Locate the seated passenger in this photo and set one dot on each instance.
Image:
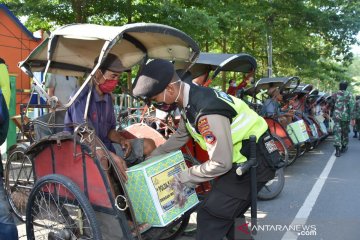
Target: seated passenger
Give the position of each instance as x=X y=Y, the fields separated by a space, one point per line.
x=271 y=107
x=101 y=115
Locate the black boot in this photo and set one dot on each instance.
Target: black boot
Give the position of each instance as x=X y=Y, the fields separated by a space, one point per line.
x=344 y=149
x=337 y=153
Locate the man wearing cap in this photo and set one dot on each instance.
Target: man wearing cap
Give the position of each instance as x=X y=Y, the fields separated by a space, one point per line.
x=101 y=115
x=221 y=125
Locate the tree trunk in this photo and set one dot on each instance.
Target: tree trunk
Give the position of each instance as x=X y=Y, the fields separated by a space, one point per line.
x=78 y=7
x=223 y=76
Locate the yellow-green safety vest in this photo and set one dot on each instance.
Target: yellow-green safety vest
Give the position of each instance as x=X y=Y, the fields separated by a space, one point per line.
x=246 y=123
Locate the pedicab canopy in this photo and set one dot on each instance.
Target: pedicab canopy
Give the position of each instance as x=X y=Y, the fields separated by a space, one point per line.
x=266 y=83
x=218 y=62
x=72 y=49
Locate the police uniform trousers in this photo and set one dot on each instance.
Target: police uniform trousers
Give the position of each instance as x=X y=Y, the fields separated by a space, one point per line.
x=229 y=199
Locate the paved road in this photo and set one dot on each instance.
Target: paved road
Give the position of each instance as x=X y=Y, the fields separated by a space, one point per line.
x=319 y=200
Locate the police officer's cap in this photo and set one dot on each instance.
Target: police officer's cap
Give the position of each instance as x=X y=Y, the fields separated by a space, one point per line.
x=111 y=63
x=154 y=78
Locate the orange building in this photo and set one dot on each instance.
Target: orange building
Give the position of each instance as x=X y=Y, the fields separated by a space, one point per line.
x=16 y=43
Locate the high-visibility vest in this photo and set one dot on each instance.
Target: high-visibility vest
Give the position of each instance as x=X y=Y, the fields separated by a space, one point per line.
x=244 y=122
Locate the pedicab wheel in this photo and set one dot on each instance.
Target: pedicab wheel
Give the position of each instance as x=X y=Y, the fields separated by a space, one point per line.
x=281 y=147
x=168 y=233
x=57 y=209
x=19 y=180
x=293 y=152
x=302 y=149
x=273 y=187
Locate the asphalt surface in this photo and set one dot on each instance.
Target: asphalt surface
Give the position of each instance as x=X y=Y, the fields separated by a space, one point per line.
x=331 y=203
x=320 y=200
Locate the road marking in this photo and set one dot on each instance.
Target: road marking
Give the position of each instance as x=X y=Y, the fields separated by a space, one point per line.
x=305 y=210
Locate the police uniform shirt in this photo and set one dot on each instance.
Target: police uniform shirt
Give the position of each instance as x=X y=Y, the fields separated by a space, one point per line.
x=217 y=133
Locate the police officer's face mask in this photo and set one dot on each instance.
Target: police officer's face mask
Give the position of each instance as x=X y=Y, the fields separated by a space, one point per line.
x=163 y=106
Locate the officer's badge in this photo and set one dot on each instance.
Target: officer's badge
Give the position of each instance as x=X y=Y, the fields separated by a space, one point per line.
x=224 y=96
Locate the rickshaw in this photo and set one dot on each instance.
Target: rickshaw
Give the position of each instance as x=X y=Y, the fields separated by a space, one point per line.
x=316 y=99
x=298 y=100
x=69 y=191
x=294 y=143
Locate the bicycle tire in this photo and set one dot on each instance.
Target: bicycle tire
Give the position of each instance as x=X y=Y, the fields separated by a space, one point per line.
x=18 y=183
x=279 y=142
x=268 y=194
x=293 y=154
x=43 y=188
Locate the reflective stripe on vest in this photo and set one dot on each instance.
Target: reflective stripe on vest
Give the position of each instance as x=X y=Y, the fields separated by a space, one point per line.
x=244 y=124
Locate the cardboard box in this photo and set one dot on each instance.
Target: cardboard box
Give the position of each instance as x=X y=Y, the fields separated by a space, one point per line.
x=152 y=199
x=297 y=132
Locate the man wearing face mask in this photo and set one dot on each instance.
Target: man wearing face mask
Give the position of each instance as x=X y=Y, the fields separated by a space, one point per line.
x=233 y=88
x=222 y=125
x=101 y=115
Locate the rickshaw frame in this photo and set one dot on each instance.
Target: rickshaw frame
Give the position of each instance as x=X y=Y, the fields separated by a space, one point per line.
x=67 y=46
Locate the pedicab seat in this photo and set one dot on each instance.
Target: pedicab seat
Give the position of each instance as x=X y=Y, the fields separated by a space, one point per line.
x=49 y=124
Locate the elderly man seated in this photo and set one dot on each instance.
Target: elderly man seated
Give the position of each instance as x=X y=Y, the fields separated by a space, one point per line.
x=271 y=107
x=101 y=115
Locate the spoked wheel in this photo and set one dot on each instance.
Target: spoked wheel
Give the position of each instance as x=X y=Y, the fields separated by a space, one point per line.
x=170 y=232
x=57 y=209
x=273 y=187
x=281 y=147
x=19 y=180
x=302 y=149
x=293 y=152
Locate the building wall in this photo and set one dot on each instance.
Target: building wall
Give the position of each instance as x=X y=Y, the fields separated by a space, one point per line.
x=15 y=46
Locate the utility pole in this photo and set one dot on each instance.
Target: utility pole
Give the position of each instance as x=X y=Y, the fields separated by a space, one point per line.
x=269 y=23
x=269 y=53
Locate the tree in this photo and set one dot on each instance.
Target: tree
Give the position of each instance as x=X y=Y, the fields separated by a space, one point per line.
x=311 y=38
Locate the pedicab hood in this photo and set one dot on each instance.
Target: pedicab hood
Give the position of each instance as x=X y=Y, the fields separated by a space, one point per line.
x=71 y=49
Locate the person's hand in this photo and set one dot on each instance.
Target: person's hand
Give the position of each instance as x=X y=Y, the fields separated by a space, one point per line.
x=126 y=146
x=179 y=192
x=121 y=165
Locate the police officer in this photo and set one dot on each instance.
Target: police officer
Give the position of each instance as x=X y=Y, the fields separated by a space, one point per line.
x=222 y=125
x=344 y=104
x=356 y=116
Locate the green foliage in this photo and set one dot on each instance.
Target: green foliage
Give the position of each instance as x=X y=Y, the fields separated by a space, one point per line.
x=311 y=38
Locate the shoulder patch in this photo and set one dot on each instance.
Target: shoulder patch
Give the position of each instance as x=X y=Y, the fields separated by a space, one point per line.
x=224 y=96
x=203 y=125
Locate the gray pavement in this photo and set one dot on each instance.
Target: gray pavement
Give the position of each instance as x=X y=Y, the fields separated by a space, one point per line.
x=335 y=213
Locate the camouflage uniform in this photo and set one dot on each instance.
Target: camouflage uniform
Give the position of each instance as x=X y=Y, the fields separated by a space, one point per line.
x=344 y=104
x=356 y=116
